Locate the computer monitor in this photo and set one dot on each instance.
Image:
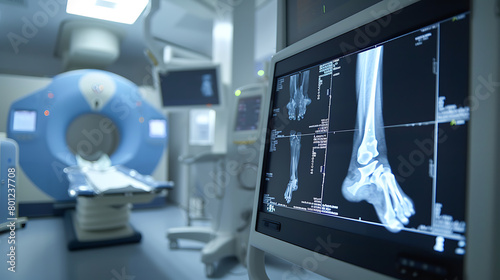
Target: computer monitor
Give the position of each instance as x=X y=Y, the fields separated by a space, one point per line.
x=193 y=87
x=248 y=117
x=364 y=166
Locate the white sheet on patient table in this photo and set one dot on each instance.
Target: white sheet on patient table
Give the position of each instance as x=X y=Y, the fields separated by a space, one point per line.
x=112 y=179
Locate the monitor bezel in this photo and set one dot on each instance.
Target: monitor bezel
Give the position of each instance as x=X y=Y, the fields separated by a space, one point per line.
x=198 y=67
x=327 y=38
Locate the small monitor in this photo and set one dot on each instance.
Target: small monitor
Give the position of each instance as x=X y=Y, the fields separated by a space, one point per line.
x=192 y=87
x=365 y=156
x=157 y=128
x=24 y=121
x=248 y=115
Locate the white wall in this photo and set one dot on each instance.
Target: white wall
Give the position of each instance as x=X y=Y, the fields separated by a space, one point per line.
x=266 y=30
x=178 y=124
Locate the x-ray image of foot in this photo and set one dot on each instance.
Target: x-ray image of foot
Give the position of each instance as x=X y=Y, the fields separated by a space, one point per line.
x=298 y=96
x=293 y=184
x=369 y=176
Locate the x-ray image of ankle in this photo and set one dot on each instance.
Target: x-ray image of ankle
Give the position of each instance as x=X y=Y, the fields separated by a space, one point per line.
x=299 y=99
x=369 y=176
x=294 y=162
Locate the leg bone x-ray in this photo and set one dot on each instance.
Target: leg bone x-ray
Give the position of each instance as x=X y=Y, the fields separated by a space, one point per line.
x=293 y=184
x=370 y=177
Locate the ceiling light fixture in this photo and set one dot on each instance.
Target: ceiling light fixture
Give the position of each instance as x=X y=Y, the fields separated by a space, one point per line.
x=123 y=11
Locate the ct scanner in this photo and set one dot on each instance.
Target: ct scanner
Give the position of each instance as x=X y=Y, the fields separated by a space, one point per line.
x=90 y=136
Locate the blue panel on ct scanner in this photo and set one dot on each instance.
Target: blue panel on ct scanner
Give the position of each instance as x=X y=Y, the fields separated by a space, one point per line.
x=40 y=124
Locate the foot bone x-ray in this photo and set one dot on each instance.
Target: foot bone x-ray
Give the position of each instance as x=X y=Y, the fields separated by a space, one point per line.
x=369 y=176
x=298 y=96
x=293 y=184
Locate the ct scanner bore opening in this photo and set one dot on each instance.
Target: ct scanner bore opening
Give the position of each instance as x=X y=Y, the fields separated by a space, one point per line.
x=91 y=136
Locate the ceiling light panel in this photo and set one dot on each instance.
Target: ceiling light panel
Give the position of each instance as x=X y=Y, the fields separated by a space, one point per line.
x=123 y=11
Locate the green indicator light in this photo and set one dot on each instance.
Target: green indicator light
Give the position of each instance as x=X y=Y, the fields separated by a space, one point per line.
x=324 y=9
x=260 y=73
x=237 y=92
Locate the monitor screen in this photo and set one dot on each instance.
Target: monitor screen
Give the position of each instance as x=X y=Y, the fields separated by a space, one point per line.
x=157 y=128
x=368 y=145
x=190 y=87
x=247 y=116
x=24 y=120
